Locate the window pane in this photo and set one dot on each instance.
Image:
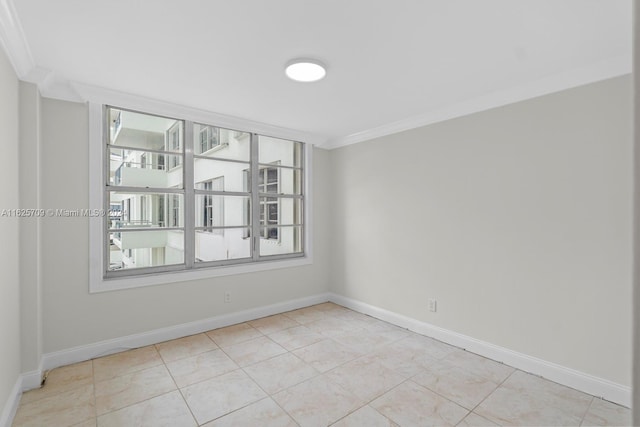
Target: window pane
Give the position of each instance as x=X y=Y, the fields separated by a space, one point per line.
x=230 y=243
x=135 y=168
x=284 y=240
x=222 y=211
x=138 y=249
x=235 y=175
x=222 y=143
x=279 y=151
x=280 y=180
x=145 y=131
x=280 y=211
x=145 y=210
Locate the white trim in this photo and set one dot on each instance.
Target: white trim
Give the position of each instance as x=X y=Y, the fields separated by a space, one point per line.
x=32 y=379
x=610 y=68
x=13 y=40
x=575 y=379
x=11 y=405
x=103 y=348
x=97 y=283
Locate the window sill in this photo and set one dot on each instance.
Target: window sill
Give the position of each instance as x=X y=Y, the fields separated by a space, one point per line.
x=99 y=284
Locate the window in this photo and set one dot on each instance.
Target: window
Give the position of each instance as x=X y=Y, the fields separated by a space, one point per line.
x=268 y=183
x=236 y=198
x=208 y=138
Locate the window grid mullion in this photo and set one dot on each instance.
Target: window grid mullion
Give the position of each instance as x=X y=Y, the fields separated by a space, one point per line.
x=189 y=197
x=255 y=199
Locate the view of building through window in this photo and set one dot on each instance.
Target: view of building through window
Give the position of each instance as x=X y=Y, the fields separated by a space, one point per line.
x=171 y=211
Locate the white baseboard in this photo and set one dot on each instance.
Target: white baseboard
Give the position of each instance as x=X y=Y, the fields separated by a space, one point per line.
x=103 y=348
x=11 y=405
x=600 y=387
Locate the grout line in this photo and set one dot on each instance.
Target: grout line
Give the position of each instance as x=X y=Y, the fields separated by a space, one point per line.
x=587 y=410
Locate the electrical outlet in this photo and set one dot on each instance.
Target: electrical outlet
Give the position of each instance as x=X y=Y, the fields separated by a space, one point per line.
x=227 y=297
x=433 y=305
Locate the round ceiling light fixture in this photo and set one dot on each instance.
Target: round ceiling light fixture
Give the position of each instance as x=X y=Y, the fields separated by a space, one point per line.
x=305 y=70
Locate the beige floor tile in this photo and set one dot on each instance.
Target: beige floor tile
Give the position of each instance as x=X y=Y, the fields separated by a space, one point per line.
x=233 y=334
x=280 y=372
x=487 y=368
x=326 y=355
x=64 y=409
x=218 y=396
x=365 y=341
x=305 y=315
x=271 y=324
x=297 y=337
x=475 y=420
x=132 y=388
x=317 y=402
x=201 y=367
x=264 y=413
x=332 y=326
x=524 y=399
x=365 y=416
x=365 y=379
x=460 y=386
x=125 y=362
x=410 y=404
x=331 y=308
x=62 y=379
x=93 y=422
x=603 y=413
x=167 y=410
x=253 y=351
x=424 y=347
x=185 y=347
x=404 y=363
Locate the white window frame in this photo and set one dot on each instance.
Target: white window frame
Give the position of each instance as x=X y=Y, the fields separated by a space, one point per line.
x=97 y=282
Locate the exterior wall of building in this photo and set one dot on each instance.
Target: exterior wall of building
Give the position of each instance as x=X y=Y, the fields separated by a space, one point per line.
x=517 y=220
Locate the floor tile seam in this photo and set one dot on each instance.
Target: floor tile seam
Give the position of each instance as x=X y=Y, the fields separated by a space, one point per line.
x=237 y=368
x=444 y=397
x=134 y=404
x=95 y=409
x=235 y=324
x=182 y=396
x=468 y=371
x=488 y=395
x=316 y=375
x=165 y=361
x=160 y=363
x=55 y=393
x=279 y=330
x=271 y=395
x=95 y=383
x=264 y=360
x=356 y=410
x=587 y=410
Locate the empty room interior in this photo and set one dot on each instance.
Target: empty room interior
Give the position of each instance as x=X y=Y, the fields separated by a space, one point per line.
x=314 y=213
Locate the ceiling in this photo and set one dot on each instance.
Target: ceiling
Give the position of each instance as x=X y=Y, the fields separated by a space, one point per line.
x=392 y=64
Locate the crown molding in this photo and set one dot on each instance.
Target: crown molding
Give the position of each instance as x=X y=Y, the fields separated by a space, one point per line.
x=613 y=67
x=13 y=40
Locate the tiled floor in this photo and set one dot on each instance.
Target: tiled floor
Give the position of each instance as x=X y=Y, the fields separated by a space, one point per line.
x=310 y=367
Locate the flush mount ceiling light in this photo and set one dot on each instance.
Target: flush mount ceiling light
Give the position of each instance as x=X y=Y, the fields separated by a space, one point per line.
x=305 y=70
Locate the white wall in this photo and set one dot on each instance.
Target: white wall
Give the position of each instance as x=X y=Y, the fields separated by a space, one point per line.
x=9 y=282
x=517 y=219
x=30 y=290
x=72 y=317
